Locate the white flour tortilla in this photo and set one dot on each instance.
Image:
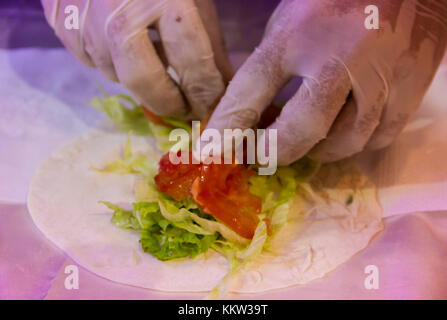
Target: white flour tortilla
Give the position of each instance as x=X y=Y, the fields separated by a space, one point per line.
x=63 y=202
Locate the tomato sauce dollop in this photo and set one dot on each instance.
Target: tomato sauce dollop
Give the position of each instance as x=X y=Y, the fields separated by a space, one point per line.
x=222 y=190
x=176 y=179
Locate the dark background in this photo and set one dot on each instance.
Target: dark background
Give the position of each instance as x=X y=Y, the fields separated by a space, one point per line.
x=22 y=23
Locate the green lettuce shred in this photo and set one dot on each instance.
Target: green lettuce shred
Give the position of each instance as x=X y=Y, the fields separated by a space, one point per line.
x=131 y=163
x=128 y=117
x=124 y=219
x=278 y=190
x=165 y=239
x=173 y=211
x=125 y=113
x=162 y=136
x=238 y=259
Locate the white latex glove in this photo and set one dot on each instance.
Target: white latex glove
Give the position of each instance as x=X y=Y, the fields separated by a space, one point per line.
x=113 y=37
x=359 y=86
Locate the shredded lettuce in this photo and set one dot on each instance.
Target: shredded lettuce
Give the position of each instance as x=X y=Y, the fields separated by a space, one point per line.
x=215 y=226
x=176 y=123
x=163 y=238
x=124 y=219
x=131 y=163
x=166 y=242
x=256 y=244
x=145 y=190
x=181 y=218
x=238 y=259
x=278 y=190
x=128 y=117
x=194 y=214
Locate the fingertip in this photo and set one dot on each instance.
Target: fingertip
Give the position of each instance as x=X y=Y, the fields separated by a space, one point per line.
x=230 y=114
x=79 y=53
x=307 y=117
x=378 y=143
x=203 y=94
x=109 y=73
x=249 y=93
x=140 y=70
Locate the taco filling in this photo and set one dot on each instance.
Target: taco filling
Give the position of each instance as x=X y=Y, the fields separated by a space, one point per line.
x=290 y=227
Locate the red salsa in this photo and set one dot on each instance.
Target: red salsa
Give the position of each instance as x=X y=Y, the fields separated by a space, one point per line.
x=222 y=190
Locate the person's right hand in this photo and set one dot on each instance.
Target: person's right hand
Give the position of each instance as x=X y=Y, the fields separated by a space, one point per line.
x=113 y=36
x=359 y=86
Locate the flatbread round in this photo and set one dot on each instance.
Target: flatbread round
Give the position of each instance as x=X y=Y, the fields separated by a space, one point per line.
x=63 y=202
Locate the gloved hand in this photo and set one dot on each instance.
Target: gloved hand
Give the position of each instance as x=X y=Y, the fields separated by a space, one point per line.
x=113 y=36
x=359 y=86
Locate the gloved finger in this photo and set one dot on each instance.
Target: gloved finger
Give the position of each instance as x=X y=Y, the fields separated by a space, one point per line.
x=96 y=44
x=308 y=115
x=393 y=121
x=251 y=91
x=72 y=39
x=210 y=19
x=190 y=54
x=356 y=122
x=136 y=62
x=404 y=98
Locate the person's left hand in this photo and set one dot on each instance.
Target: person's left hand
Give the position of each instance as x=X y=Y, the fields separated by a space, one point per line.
x=113 y=36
